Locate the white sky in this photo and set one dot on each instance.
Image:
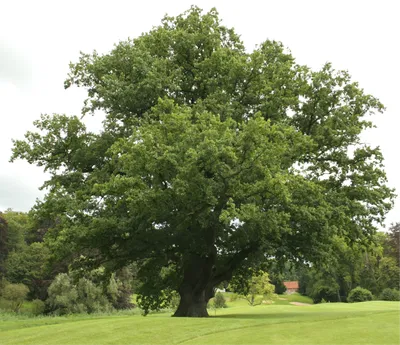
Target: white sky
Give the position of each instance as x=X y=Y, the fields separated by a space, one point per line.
x=39 y=38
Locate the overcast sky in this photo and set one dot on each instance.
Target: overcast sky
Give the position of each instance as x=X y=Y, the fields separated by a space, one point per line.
x=39 y=38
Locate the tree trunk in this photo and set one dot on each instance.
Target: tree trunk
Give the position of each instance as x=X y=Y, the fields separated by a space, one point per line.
x=199 y=279
x=197 y=287
x=192 y=305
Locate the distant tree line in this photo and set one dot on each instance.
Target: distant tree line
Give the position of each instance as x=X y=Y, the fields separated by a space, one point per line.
x=374 y=267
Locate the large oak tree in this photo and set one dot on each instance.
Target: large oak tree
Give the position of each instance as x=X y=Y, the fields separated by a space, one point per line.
x=210 y=158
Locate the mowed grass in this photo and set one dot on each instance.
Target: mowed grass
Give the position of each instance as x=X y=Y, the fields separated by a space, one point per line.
x=331 y=323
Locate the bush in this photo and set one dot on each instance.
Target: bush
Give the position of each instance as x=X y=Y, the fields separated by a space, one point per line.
x=219 y=301
x=84 y=297
x=319 y=292
x=359 y=295
x=38 y=307
x=63 y=297
x=14 y=295
x=91 y=296
x=119 y=293
x=390 y=295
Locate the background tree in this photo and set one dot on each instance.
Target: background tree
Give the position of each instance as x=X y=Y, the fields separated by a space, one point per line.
x=210 y=158
x=349 y=267
x=392 y=245
x=30 y=267
x=219 y=301
x=12 y=229
x=18 y=225
x=3 y=245
x=281 y=271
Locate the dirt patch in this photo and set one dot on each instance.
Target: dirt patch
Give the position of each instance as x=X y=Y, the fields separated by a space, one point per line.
x=268 y=302
x=299 y=303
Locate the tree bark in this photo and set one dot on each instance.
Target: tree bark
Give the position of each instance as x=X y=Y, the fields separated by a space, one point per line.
x=192 y=305
x=196 y=288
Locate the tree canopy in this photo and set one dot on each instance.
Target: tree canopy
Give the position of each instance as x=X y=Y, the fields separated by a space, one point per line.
x=210 y=159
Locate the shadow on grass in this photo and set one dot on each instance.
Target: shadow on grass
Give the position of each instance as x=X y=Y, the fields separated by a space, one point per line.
x=259 y=316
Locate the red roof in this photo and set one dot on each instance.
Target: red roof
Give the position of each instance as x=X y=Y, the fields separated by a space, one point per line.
x=291 y=285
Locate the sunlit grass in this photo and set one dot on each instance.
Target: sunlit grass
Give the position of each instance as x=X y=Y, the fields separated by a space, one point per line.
x=330 y=323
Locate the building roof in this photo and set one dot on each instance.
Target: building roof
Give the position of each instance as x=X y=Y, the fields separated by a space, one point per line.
x=291 y=285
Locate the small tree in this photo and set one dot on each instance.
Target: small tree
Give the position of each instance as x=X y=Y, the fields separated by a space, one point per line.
x=15 y=295
x=120 y=289
x=252 y=289
x=219 y=301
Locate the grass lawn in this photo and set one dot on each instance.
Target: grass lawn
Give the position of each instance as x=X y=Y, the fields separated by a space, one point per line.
x=331 y=323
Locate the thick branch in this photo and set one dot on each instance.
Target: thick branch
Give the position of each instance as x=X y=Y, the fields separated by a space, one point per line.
x=232 y=264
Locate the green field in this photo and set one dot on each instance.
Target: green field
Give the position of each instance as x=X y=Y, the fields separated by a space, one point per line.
x=279 y=323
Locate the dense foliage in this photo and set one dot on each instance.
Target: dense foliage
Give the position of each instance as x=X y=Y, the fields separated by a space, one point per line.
x=390 y=295
x=65 y=297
